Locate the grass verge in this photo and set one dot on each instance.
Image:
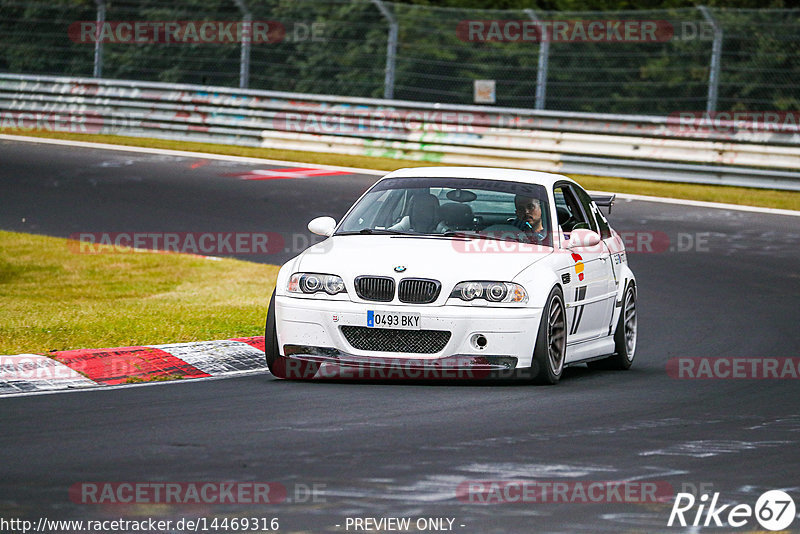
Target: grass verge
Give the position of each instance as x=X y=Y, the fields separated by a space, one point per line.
x=57 y=299
x=710 y=193
x=155 y=378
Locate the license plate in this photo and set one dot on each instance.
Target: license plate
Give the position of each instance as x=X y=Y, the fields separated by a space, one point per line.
x=402 y=320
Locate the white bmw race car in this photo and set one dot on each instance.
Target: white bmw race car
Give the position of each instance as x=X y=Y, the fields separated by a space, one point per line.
x=457 y=272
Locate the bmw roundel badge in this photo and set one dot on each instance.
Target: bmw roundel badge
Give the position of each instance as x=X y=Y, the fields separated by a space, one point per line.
x=400 y=269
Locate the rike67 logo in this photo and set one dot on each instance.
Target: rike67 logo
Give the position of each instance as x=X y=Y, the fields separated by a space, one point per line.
x=774 y=510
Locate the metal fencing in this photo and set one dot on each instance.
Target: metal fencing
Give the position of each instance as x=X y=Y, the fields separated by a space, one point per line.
x=678 y=148
x=653 y=62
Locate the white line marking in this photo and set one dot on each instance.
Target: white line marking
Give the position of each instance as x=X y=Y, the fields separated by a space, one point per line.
x=217 y=357
x=702 y=204
x=185 y=153
x=102 y=387
x=357 y=170
x=34 y=372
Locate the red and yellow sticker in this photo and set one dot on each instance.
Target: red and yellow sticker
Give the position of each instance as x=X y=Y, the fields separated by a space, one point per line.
x=578 y=265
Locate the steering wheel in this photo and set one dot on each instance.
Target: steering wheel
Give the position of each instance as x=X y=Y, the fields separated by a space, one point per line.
x=569 y=224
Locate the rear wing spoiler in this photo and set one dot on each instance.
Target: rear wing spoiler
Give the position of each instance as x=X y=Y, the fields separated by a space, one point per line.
x=604 y=201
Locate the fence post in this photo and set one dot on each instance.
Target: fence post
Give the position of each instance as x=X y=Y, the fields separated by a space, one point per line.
x=247 y=33
x=391 y=50
x=98 y=43
x=716 y=54
x=544 y=56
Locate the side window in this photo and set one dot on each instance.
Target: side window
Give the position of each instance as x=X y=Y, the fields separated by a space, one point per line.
x=563 y=211
x=600 y=224
x=569 y=210
x=594 y=213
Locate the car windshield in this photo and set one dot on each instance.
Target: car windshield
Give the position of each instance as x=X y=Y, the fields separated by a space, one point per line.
x=453 y=207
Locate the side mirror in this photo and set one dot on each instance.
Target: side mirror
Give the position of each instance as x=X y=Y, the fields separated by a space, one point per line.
x=323 y=226
x=581 y=237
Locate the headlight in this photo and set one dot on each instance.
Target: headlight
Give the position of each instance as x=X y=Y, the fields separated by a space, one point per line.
x=496 y=292
x=502 y=292
x=311 y=283
x=333 y=285
x=470 y=290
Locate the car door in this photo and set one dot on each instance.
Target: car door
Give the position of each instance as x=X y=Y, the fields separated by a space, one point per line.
x=588 y=282
x=611 y=248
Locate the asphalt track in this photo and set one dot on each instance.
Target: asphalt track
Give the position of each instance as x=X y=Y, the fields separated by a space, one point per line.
x=401 y=450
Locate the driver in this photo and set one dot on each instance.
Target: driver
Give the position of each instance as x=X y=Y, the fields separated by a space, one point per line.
x=529 y=216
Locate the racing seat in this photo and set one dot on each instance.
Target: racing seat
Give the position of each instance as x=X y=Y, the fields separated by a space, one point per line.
x=455 y=216
x=423 y=213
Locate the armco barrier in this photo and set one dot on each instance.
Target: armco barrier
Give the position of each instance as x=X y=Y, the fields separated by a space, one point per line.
x=656 y=148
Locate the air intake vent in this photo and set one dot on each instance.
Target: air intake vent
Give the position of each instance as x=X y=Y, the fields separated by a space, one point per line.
x=375 y=288
x=418 y=290
x=395 y=340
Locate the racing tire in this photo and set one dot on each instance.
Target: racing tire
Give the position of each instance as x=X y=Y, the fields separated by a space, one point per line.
x=551 y=341
x=280 y=366
x=624 y=336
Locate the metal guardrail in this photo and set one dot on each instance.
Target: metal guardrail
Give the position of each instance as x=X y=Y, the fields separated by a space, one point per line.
x=655 y=148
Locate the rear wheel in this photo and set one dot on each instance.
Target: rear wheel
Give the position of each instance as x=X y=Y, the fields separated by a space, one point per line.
x=624 y=335
x=551 y=341
x=280 y=366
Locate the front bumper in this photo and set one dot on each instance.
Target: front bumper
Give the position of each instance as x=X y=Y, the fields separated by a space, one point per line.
x=310 y=330
x=327 y=363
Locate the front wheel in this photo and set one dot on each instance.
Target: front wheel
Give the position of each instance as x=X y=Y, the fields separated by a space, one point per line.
x=624 y=335
x=551 y=341
x=271 y=352
x=280 y=366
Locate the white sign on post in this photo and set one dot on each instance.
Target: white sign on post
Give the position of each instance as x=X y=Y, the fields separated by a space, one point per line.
x=484 y=92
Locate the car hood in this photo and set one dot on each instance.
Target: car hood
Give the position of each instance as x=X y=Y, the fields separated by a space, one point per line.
x=449 y=260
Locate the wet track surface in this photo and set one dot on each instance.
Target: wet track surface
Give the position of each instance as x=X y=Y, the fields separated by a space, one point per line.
x=716 y=283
